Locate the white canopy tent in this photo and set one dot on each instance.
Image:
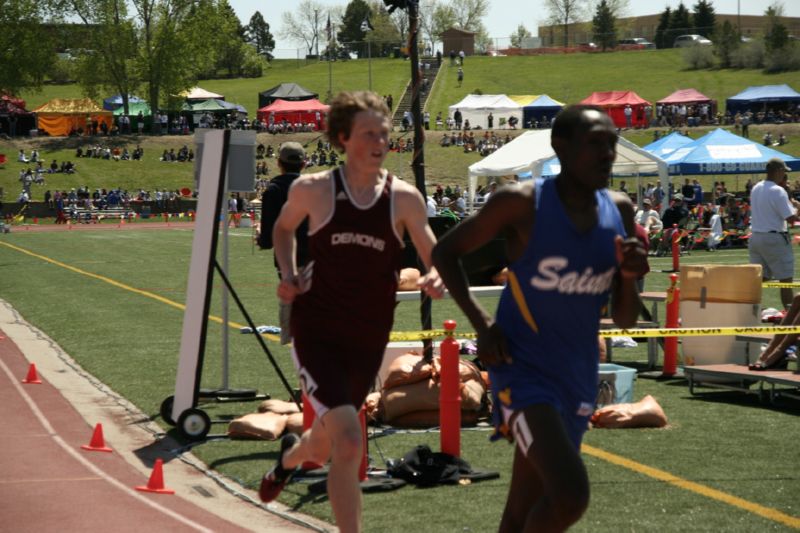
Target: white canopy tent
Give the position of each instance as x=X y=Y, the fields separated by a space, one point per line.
x=476 y=109
x=531 y=150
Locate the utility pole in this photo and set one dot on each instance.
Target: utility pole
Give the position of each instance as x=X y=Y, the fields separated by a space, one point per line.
x=418 y=161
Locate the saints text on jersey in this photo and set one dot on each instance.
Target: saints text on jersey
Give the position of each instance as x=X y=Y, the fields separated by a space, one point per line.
x=553 y=274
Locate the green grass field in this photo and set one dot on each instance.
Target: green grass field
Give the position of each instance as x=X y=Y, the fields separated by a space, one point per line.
x=720 y=441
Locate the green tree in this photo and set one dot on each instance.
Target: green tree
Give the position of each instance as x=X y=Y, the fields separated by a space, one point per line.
x=384 y=36
x=776 y=35
x=662 y=30
x=704 y=18
x=726 y=43
x=26 y=47
x=679 y=23
x=109 y=64
x=434 y=18
x=258 y=35
x=168 y=49
x=603 y=26
x=519 y=36
x=351 y=33
x=216 y=37
x=469 y=14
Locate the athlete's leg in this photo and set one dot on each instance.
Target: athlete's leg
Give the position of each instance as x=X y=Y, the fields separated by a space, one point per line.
x=524 y=492
x=314 y=447
x=344 y=493
x=543 y=441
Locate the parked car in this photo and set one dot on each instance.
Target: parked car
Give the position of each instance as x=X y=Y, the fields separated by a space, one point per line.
x=638 y=41
x=684 y=41
x=588 y=47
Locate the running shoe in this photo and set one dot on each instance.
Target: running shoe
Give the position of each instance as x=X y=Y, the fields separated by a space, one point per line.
x=273 y=481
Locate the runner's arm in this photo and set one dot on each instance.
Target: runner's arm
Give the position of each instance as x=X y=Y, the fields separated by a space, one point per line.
x=632 y=257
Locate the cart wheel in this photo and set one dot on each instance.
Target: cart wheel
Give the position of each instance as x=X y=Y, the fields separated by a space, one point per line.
x=194 y=424
x=166 y=410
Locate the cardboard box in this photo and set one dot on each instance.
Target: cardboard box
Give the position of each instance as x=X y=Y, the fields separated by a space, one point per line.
x=721 y=284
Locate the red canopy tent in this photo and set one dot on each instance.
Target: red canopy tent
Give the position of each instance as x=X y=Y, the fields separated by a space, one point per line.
x=614 y=103
x=302 y=112
x=689 y=97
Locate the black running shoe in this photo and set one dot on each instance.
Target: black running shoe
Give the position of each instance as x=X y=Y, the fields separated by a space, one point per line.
x=273 y=481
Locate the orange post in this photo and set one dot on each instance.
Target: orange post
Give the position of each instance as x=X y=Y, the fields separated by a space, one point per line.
x=308 y=419
x=676 y=249
x=450 y=394
x=673 y=313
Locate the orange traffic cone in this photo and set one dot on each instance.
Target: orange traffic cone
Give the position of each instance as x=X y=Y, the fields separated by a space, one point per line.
x=32 y=377
x=97 y=443
x=156 y=481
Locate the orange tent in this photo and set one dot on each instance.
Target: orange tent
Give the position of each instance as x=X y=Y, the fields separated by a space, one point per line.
x=59 y=117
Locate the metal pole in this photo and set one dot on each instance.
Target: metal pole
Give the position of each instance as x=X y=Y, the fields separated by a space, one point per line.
x=418 y=162
x=224 y=357
x=739 y=16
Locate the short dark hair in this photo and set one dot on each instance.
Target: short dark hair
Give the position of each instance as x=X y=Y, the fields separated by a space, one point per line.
x=569 y=119
x=345 y=106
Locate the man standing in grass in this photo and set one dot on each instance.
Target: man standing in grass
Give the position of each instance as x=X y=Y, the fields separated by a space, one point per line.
x=770 y=243
x=343 y=300
x=572 y=244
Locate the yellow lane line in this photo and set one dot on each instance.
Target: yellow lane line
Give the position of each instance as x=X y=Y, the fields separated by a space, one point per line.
x=126 y=287
x=703 y=490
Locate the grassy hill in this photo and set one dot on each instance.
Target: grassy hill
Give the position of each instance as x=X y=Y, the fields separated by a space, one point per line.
x=653 y=74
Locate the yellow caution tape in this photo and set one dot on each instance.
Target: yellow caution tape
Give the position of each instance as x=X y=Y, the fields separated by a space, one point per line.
x=398 y=336
x=779 y=285
x=401 y=336
x=700 y=332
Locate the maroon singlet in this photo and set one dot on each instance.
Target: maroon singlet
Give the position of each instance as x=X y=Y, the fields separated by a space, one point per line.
x=342 y=323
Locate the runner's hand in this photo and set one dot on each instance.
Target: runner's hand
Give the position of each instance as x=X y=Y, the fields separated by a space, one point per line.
x=631 y=257
x=492 y=347
x=291 y=287
x=431 y=284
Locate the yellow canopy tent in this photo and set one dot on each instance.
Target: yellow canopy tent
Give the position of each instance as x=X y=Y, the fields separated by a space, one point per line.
x=60 y=116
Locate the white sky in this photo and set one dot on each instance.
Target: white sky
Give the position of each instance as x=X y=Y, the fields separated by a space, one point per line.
x=504 y=15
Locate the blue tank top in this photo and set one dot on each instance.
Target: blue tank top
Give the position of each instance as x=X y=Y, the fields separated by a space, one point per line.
x=551 y=307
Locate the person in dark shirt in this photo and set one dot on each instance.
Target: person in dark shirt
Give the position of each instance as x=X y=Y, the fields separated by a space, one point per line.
x=687 y=190
x=675 y=215
x=291 y=161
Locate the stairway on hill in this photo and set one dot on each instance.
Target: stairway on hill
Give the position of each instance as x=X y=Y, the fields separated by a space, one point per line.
x=430 y=72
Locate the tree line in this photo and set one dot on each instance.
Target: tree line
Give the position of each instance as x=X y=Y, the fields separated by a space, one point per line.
x=125 y=46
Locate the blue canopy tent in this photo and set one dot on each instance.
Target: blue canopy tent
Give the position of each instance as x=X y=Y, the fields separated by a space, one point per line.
x=762 y=98
x=115 y=102
x=722 y=152
x=543 y=106
x=665 y=146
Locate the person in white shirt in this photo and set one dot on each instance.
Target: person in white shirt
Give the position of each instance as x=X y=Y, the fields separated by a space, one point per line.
x=648 y=218
x=715 y=234
x=770 y=243
x=431 y=207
